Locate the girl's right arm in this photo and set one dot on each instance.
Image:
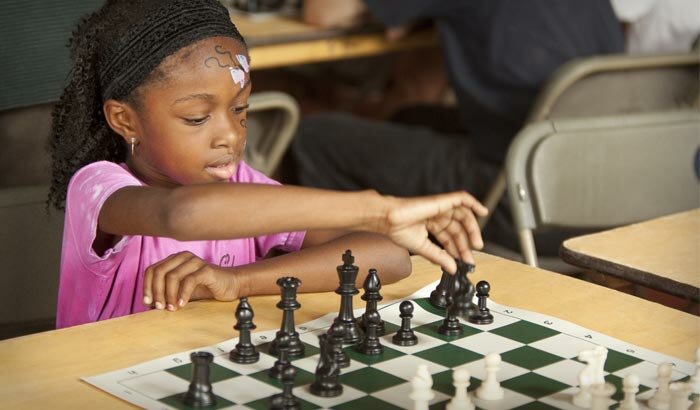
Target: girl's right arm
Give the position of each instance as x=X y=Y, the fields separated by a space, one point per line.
x=227 y=211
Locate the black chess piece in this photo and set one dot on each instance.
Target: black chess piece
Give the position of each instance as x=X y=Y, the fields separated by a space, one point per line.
x=463 y=290
x=288 y=304
x=450 y=326
x=326 y=382
x=286 y=400
x=282 y=361
x=200 y=393
x=483 y=315
x=405 y=335
x=244 y=352
x=347 y=274
x=371 y=346
x=337 y=334
x=371 y=285
x=439 y=297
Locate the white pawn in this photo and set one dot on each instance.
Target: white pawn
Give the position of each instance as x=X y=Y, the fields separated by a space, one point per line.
x=601 y=394
x=695 y=380
x=630 y=387
x=679 y=395
x=421 y=385
x=461 y=401
x=490 y=389
x=662 y=398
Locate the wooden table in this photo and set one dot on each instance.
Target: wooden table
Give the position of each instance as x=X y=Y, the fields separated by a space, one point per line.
x=278 y=40
x=662 y=254
x=43 y=370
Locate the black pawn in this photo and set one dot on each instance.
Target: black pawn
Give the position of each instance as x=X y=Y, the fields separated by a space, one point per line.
x=288 y=304
x=450 y=326
x=286 y=399
x=326 y=382
x=244 y=352
x=337 y=334
x=463 y=290
x=200 y=393
x=371 y=285
x=282 y=361
x=347 y=274
x=439 y=297
x=371 y=345
x=483 y=315
x=405 y=336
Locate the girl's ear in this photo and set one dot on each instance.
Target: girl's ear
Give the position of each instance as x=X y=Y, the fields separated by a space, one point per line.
x=121 y=118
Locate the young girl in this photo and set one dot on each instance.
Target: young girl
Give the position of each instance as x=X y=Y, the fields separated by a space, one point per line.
x=160 y=209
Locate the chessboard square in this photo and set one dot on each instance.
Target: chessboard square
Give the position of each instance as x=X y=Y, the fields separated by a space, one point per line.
x=565 y=371
x=349 y=394
x=264 y=362
x=563 y=345
x=431 y=329
x=243 y=389
x=369 y=379
x=510 y=400
x=647 y=373
x=525 y=332
x=442 y=382
x=536 y=405
x=310 y=363
x=617 y=382
x=311 y=337
x=449 y=355
x=302 y=377
x=534 y=385
x=368 y=403
x=264 y=404
x=421 y=316
x=216 y=372
x=400 y=395
x=506 y=370
x=157 y=385
x=309 y=350
x=618 y=361
x=176 y=402
x=529 y=357
x=499 y=320
x=387 y=354
x=487 y=342
x=424 y=342
x=425 y=304
x=562 y=400
x=405 y=367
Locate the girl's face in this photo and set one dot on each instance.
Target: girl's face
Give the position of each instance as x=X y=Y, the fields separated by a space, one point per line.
x=191 y=126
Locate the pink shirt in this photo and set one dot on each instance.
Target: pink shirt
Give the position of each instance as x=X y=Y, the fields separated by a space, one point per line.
x=96 y=287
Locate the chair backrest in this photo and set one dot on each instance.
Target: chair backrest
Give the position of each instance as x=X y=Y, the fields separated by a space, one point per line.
x=602 y=171
x=273 y=118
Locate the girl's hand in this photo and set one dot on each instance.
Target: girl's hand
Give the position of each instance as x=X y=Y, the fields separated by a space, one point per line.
x=449 y=217
x=171 y=282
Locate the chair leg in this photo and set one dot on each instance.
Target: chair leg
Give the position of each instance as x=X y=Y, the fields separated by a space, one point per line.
x=527 y=246
x=493 y=197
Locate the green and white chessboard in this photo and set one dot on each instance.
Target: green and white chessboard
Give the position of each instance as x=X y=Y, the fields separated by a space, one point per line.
x=539 y=369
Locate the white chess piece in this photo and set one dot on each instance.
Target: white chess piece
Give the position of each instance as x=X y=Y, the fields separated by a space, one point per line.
x=696 y=403
x=490 y=389
x=460 y=401
x=591 y=374
x=679 y=395
x=601 y=394
x=695 y=380
x=421 y=384
x=662 y=398
x=630 y=387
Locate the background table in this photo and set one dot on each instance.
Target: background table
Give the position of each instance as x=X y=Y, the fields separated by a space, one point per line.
x=43 y=370
x=663 y=253
x=278 y=40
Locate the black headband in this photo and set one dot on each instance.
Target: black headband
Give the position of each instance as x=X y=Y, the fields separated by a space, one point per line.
x=167 y=28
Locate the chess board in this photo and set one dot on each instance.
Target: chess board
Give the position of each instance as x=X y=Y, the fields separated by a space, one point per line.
x=539 y=369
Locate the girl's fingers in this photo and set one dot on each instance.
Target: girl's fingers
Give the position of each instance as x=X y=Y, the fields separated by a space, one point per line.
x=160 y=270
x=438 y=256
x=190 y=283
x=148 y=275
x=174 y=278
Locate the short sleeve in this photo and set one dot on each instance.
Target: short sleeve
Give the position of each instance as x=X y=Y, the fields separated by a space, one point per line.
x=87 y=192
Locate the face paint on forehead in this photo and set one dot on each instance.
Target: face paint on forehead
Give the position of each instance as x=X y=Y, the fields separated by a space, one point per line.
x=238 y=70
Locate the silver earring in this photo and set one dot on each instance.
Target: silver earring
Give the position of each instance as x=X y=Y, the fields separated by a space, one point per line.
x=133 y=144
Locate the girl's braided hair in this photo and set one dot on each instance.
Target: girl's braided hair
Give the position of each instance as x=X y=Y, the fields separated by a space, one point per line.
x=116 y=50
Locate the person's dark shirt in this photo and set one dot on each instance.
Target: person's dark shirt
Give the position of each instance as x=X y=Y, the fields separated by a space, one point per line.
x=499 y=53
